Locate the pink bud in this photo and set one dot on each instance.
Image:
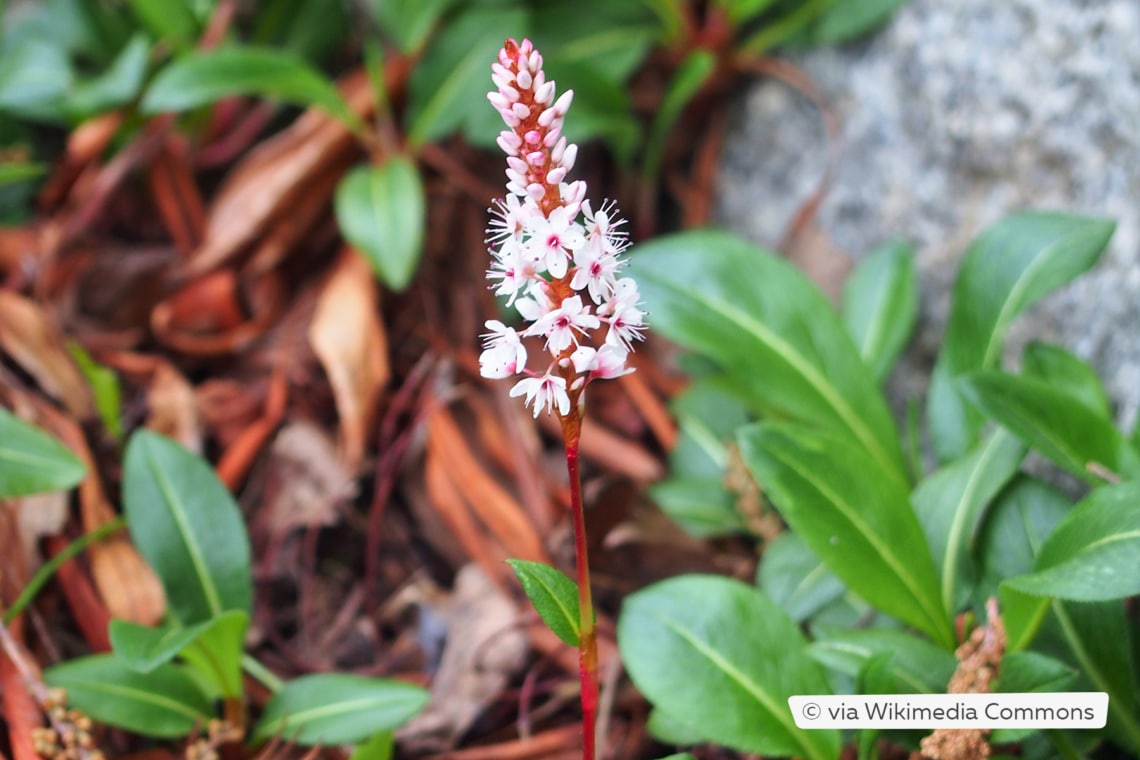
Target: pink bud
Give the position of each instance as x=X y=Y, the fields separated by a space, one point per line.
x=533 y=137
x=536 y=158
x=552 y=136
x=536 y=191
x=521 y=110
x=554 y=176
x=557 y=151
x=505 y=143
x=526 y=79
x=569 y=157
x=544 y=93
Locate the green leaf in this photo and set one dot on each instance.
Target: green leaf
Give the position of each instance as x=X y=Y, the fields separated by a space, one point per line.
x=740 y=11
x=447 y=91
x=701 y=506
x=771 y=330
x=104 y=387
x=843 y=21
x=408 y=22
x=202 y=77
x=1053 y=421
x=118 y=85
x=380 y=746
x=170 y=21
x=1061 y=369
x=679 y=756
x=880 y=306
x=381 y=211
x=13 y=172
x=601 y=108
x=313 y=29
x=553 y=595
x=1023 y=672
x=686 y=82
x=916 y=667
x=337 y=708
x=34 y=74
x=1094 y=554
x=951 y=505
x=31 y=461
x=212 y=647
x=1007 y=269
x=669 y=729
x=165 y=703
x=857 y=518
x=795 y=578
x=726 y=658
x=187 y=527
x=611 y=38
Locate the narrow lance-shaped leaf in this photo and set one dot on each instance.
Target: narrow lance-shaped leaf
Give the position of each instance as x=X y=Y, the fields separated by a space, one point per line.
x=771 y=330
x=880 y=306
x=1094 y=554
x=338 y=708
x=916 y=665
x=381 y=211
x=730 y=686
x=795 y=578
x=951 y=504
x=1063 y=370
x=690 y=76
x=165 y=703
x=1053 y=421
x=187 y=527
x=856 y=517
x=1006 y=270
x=203 y=77
x=31 y=461
x=553 y=595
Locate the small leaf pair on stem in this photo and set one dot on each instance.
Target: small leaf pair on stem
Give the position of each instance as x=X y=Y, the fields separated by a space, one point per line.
x=558 y=262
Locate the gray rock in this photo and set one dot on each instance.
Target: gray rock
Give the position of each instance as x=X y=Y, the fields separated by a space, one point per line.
x=955 y=114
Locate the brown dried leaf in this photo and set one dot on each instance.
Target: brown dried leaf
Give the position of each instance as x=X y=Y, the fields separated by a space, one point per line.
x=449 y=506
x=504 y=516
x=278 y=175
x=34 y=342
x=347 y=336
x=484 y=650
x=306 y=482
x=173 y=407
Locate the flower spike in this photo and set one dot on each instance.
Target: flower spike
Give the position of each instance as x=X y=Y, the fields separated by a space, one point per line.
x=554 y=258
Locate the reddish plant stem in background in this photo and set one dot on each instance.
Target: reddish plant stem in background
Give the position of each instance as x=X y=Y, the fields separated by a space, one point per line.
x=587 y=635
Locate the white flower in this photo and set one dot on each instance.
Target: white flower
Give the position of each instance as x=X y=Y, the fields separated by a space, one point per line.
x=509 y=268
x=596 y=270
x=553 y=239
x=605 y=363
x=544 y=392
x=624 y=318
x=504 y=353
x=559 y=325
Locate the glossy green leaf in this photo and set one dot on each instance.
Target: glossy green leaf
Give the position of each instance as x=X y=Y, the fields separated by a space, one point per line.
x=951 y=504
x=687 y=80
x=382 y=213
x=880 y=306
x=187 y=527
x=1052 y=421
x=170 y=21
x=118 y=85
x=1007 y=269
x=165 y=703
x=104 y=388
x=447 y=91
x=679 y=756
x=1094 y=554
x=733 y=686
x=408 y=22
x=844 y=21
x=612 y=38
x=795 y=578
x=769 y=328
x=553 y=595
x=203 y=77
x=1014 y=529
x=669 y=729
x=1065 y=371
x=34 y=73
x=31 y=461
x=212 y=647
x=1023 y=672
x=740 y=11
x=702 y=506
x=916 y=667
x=337 y=708
x=855 y=517
x=313 y=29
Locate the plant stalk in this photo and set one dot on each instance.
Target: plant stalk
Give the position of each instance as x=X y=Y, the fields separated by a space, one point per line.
x=587 y=636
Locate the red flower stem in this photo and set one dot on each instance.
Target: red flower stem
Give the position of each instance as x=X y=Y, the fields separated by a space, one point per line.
x=587 y=635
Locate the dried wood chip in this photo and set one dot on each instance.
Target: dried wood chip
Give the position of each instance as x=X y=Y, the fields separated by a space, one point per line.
x=31 y=338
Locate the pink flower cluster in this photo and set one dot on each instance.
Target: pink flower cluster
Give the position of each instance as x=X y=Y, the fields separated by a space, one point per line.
x=555 y=258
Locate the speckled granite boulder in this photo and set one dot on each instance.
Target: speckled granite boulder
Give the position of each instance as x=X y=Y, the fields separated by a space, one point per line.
x=957 y=113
